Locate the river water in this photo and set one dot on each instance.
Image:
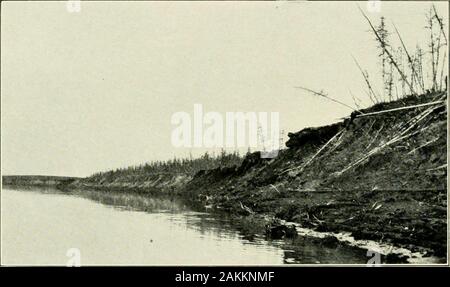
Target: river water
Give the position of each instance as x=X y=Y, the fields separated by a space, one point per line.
x=49 y=227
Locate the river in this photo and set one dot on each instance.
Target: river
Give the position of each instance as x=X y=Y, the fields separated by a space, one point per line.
x=50 y=227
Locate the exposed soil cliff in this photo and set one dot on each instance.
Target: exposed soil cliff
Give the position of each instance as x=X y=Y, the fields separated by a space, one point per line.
x=380 y=177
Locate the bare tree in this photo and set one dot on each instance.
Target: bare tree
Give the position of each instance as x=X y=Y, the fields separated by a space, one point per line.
x=383 y=45
x=419 y=66
x=391 y=58
x=433 y=47
x=414 y=74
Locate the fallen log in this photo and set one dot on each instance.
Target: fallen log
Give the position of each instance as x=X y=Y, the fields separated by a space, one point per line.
x=396 y=109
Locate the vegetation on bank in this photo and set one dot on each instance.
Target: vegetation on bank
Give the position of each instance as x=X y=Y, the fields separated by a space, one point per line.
x=404 y=71
x=188 y=166
x=384 y=177
x=37 y=180
x=379 y=174
x=159 y=176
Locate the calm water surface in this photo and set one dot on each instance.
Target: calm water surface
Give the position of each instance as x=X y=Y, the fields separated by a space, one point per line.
x=40 y=226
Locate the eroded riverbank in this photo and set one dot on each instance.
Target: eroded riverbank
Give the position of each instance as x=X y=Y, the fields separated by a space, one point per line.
x=310 y=247
x=380 y=179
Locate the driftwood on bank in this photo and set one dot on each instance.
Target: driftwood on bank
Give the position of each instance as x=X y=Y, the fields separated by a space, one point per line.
x=321 y=94
x=397 y=109
x=403 y=134
x=300 y=168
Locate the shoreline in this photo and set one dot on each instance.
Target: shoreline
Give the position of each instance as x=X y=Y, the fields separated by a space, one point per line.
x=390 y=253
x=381 y=178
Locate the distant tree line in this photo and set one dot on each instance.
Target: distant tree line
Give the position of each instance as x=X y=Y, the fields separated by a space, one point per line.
x=189 y=166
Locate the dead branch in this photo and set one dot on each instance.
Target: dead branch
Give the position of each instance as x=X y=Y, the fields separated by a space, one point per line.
x=321 y=94
x=397 y=138
x=374 y=151
x=337 y=143
x=355 y=100
x=414 y=73
x=246 y=208
x=441 y=25
x=420 y=65
x=372 y=95
x=432 y=46
x=274 y=187
x=389 y=54
x=398 y=109
x=438 y=53
x=439 y=167
x=301 y=168
x=370 y=128
x=375 y=137
x=442 y=71
x=424 y=145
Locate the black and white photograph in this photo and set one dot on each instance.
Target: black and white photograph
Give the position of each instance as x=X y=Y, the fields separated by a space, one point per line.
x=224 y=133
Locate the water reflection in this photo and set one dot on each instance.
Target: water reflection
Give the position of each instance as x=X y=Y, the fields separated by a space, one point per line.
x=124 y=228
x=206 y=224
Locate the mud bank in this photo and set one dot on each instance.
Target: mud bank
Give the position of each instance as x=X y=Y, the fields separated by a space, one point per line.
x=382 y=178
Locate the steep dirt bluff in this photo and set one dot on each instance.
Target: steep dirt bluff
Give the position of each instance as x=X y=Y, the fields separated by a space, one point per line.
x=380 y=176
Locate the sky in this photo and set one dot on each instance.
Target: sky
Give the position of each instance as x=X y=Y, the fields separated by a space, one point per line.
x=94 y=90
